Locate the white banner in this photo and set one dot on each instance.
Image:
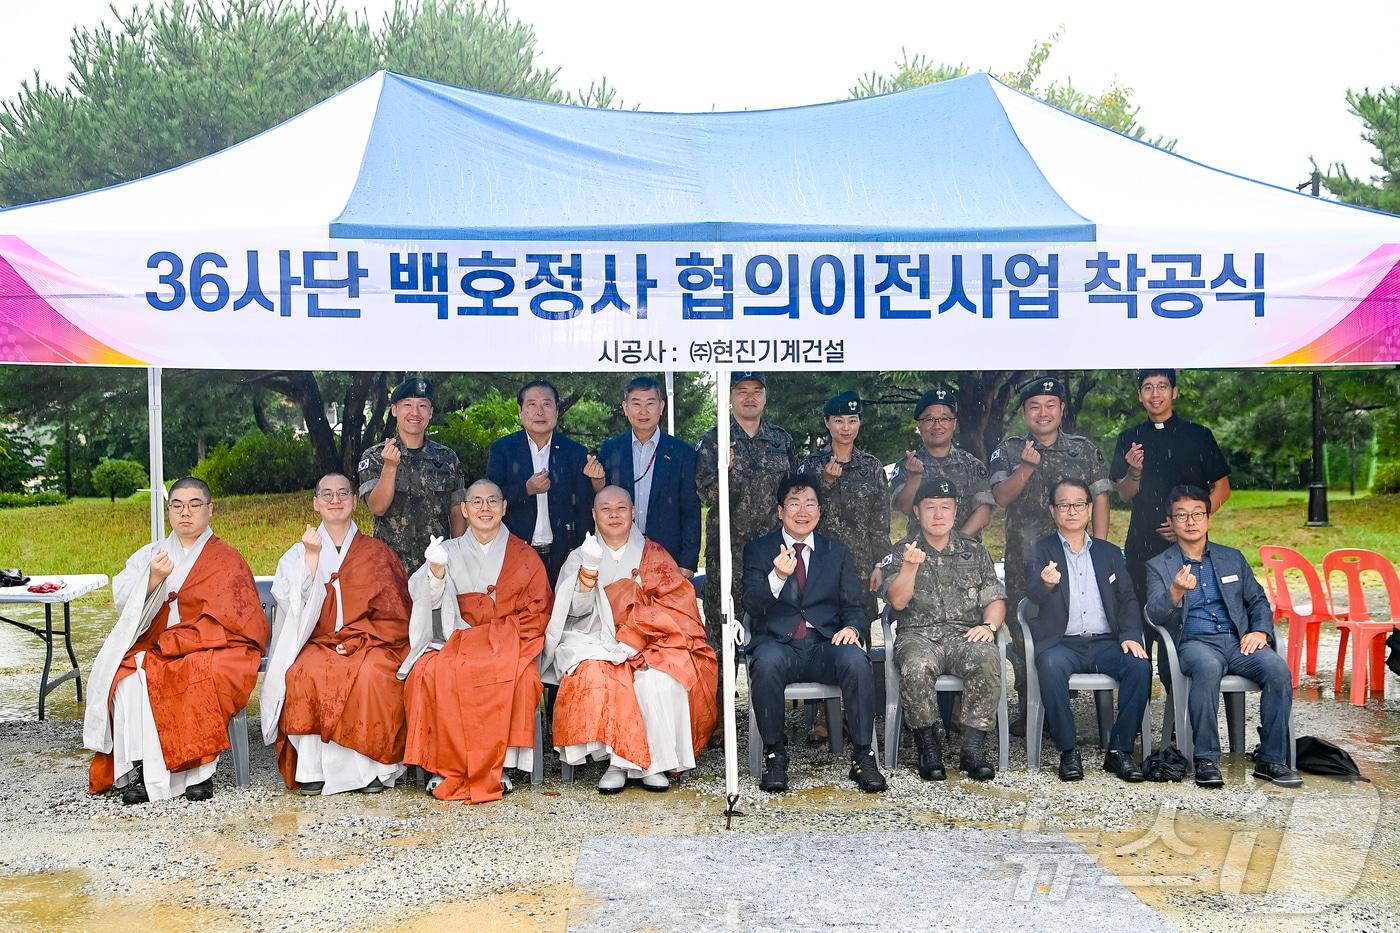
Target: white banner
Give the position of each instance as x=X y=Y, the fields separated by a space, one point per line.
x=302 y=300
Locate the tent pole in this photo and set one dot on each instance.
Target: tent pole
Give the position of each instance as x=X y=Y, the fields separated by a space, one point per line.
x=670 y=403
x=157 y=451
x=729 y=632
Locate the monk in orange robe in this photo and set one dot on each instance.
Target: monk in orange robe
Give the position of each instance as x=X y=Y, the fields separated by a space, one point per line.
x=626 y=645
x=181 y=661
x=331 y=700
x=473 y=681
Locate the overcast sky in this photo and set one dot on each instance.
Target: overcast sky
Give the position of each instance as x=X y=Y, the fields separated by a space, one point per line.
x=1253 y=88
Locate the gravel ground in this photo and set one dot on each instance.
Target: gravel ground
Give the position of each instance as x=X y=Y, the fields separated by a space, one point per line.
x=260 y=858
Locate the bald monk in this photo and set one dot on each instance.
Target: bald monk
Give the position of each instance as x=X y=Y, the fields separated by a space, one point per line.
x=480 y=604
x=181 y=661
x=331 y=700
x=626 y=645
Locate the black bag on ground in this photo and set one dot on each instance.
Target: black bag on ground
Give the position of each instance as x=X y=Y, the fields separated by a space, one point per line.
x=1319 y=756
x=1165 y=764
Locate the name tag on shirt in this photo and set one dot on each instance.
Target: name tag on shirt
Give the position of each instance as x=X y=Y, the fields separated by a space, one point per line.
x=1232 y=578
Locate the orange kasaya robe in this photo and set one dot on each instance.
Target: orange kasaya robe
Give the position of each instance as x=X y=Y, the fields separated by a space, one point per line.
x=201 y=672
x=659 y=617
x=478 y=695
x=353 y=699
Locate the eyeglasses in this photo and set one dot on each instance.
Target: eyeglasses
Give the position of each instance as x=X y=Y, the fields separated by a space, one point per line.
x=939 y=420
x=335 y=495
x=194 y=505
x=490 y=502
x=1074 y=508
x=1182 y=518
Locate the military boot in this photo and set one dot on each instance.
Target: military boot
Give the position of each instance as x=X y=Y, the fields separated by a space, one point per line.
x=930 y=754
x=973 y=760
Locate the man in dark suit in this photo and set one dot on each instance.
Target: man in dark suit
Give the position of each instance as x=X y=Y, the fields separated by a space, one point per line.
x=658 y=471
x=549 y=497
x=1088 y=623
x=1205 y=596
x=805 y=600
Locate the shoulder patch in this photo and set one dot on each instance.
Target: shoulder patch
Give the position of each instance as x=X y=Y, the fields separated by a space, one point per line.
x=886 y=560
x=996 y=455
x=364 y=464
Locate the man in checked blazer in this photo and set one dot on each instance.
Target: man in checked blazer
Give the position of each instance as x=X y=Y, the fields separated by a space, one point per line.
x=1087 y=622
x=805 y=602
x=658 y=471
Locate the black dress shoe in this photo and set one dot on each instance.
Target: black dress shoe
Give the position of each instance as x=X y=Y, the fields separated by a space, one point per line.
x=1122 y=765
x=1280 y=774
x=204 y=790
x=1208 y=773
x=775 y=776
x=311 y=788
x=930 y=754
x=865 y=772
x=1071 y=767
x=375 y=786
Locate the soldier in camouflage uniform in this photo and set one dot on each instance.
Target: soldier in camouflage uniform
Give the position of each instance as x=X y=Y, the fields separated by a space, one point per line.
x=762 y=456
x=410 y=483
x=1024 y=468
x=855 y=508
x=948 y=605
x=936 y=416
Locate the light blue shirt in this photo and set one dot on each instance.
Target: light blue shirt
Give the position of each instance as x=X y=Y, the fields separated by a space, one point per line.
x=1086 y=615
x=643 y=469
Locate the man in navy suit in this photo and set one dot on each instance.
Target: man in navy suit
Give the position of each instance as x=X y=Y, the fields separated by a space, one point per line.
x=805 y=600
x=658 y=471
x=549 y=498
x=1205 y=596
x=1088 y=622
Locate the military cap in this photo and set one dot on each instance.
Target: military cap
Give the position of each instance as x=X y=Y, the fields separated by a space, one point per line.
x=937 y=487
x=1042 y=385
x=412 y=387
x=938 y=395
x=847 y=403
x=736 y=378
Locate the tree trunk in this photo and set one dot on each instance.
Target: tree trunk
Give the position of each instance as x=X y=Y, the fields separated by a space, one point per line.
x=67 y=454
x=260 y=411
x=354 y=428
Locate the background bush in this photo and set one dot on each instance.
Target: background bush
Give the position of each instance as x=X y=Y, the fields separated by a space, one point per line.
x=469 y=432
x=18 y=500
x=117 y=479
x=1387 y=479
x=279 y=461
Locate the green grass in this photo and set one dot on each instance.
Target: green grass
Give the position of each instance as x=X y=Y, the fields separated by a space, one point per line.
x=97 y=536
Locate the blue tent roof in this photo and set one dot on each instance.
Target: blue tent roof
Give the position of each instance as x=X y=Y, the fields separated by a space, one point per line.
x=942 y=163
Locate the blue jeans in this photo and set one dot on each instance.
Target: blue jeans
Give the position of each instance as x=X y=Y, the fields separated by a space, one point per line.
x=1100 y=654
x=1208 y=658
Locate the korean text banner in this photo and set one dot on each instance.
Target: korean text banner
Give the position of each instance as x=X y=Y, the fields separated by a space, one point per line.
x=513 y=305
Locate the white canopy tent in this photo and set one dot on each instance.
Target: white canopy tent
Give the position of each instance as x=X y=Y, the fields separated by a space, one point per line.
x=410 y=225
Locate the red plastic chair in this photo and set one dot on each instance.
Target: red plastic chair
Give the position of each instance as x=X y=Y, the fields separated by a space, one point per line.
x=1367 y=635
x=1304 y=628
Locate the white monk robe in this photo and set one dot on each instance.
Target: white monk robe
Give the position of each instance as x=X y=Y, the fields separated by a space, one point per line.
x=133 y=736
x=301 y=595
x=581 y=629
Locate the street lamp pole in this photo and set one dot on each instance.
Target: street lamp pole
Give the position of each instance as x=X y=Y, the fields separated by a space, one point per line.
x=1317 y=489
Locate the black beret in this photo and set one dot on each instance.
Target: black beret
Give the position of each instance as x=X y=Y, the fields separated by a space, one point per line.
x=738 y=377
x=413 y=387
x=937 y=487
x=1042 y=385
x=847 y=403
x=938 y=395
